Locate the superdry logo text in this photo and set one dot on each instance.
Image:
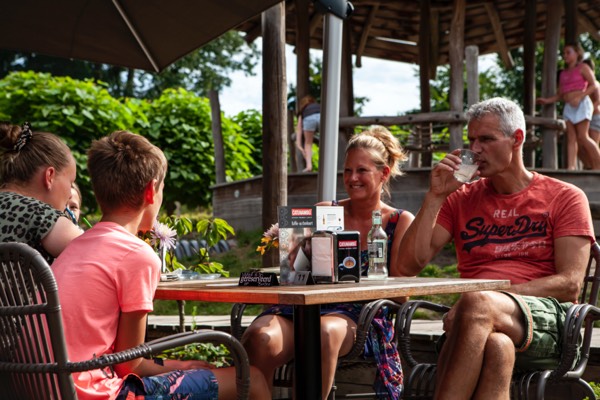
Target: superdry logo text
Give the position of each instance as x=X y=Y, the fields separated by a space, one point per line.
x=478 y=233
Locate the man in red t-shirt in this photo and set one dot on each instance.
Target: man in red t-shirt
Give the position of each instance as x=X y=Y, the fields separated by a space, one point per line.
x=509 y=224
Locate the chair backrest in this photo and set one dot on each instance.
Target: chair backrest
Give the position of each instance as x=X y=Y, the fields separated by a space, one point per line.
x=591 y=282
x=32 y=345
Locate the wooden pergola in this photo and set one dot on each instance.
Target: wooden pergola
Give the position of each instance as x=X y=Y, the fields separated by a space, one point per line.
x=428 y=33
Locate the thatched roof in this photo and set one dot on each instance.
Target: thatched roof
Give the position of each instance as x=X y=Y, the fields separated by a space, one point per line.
x=390 y=29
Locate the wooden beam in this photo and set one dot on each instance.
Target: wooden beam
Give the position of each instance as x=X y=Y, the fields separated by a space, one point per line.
x=274 y=108
x=586 y=25
x=315 y=21
x=302 y=50
x=571 y=33
x=529 y=48
x=365 y=34
x=499 y=34
x=472 y=59
x=550 y=66
x=434 y=58
x=457 y=51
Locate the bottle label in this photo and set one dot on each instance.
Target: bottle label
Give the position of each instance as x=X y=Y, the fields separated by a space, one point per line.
x=377 y=250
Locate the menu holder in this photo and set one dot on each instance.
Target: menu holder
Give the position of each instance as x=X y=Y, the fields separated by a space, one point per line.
x=256 y=278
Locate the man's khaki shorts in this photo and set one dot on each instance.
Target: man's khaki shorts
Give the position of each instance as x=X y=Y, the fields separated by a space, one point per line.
x=544 y=321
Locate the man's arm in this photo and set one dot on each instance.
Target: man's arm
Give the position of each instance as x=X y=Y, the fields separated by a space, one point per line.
x=424 y=238
x=571 y=254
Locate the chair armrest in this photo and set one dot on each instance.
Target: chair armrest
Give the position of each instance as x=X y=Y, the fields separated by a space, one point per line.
x=579 y=316
x=237 y=351
x=367 y=313
x=404 y=321
x=235 y=319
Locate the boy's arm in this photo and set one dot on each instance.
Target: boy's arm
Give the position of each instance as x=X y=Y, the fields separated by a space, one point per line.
x=131 y=333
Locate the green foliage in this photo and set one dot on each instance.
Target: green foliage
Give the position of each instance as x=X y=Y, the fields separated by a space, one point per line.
x=250 y=127
x=77 y=111
x=596 y=387
x=210 y=229
x=216 y=355
x=179 y=123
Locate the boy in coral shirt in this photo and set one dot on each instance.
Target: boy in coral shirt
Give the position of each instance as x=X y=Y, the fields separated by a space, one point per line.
x=107 y=281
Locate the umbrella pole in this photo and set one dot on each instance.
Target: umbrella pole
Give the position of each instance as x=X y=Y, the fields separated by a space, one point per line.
x=330 y=107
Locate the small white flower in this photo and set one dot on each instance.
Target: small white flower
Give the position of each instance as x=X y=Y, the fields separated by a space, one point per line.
x=272 y=232
x=163 y=236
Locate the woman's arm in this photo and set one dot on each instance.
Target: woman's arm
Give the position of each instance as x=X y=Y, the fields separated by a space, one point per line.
x=60 y=236
x=406 y=218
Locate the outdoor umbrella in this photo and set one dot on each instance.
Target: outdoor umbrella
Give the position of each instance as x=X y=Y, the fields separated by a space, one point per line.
x=143 y=34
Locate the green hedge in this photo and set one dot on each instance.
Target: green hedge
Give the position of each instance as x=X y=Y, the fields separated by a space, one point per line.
x=179 y=122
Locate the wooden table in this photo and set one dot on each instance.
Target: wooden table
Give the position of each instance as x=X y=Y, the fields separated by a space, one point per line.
x=307 y=301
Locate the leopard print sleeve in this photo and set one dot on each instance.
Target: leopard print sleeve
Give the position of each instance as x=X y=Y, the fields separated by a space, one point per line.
x=27 y=220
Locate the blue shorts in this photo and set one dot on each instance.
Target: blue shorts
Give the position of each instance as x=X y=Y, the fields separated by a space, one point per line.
x=194 y=384
x=580 y=113
x=311 y=123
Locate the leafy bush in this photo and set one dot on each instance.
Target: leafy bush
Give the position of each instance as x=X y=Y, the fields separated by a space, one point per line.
x=77 y=111
x=179 y=122
x=596 y=387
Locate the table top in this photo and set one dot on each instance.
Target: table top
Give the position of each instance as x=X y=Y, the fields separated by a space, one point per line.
x=226 y=290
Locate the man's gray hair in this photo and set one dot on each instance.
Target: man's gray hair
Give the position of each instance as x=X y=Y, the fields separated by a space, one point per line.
x=509 y=114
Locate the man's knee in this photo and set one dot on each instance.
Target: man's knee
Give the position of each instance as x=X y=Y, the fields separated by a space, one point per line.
x=499 y=350
x=471 y=303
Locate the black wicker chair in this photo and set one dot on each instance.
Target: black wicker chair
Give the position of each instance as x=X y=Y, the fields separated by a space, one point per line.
x=420 y=384
x=33 y=355
x=284 y=375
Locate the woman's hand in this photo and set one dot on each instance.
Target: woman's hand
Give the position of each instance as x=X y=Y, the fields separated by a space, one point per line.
x=542 y=100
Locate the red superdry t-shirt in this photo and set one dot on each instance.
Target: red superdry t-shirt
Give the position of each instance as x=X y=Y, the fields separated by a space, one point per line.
x=512 y=236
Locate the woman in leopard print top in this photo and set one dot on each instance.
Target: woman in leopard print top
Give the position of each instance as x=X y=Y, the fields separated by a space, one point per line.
x=36 y=173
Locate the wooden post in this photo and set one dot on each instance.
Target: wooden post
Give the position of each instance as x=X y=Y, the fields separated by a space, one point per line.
x=456 y=48
x=302 y=68
x=472 y=59
x=529 y=73
x=346 y=92
x=217 y=134
x=292 y=142
x=571 y=33
x=424 y=130
x=552 y=39
x=274 y=182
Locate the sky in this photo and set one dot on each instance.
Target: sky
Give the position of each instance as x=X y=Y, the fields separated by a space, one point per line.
x=392 y=87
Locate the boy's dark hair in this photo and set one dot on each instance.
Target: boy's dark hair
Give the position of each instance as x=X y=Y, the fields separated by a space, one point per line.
x=121 y=165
